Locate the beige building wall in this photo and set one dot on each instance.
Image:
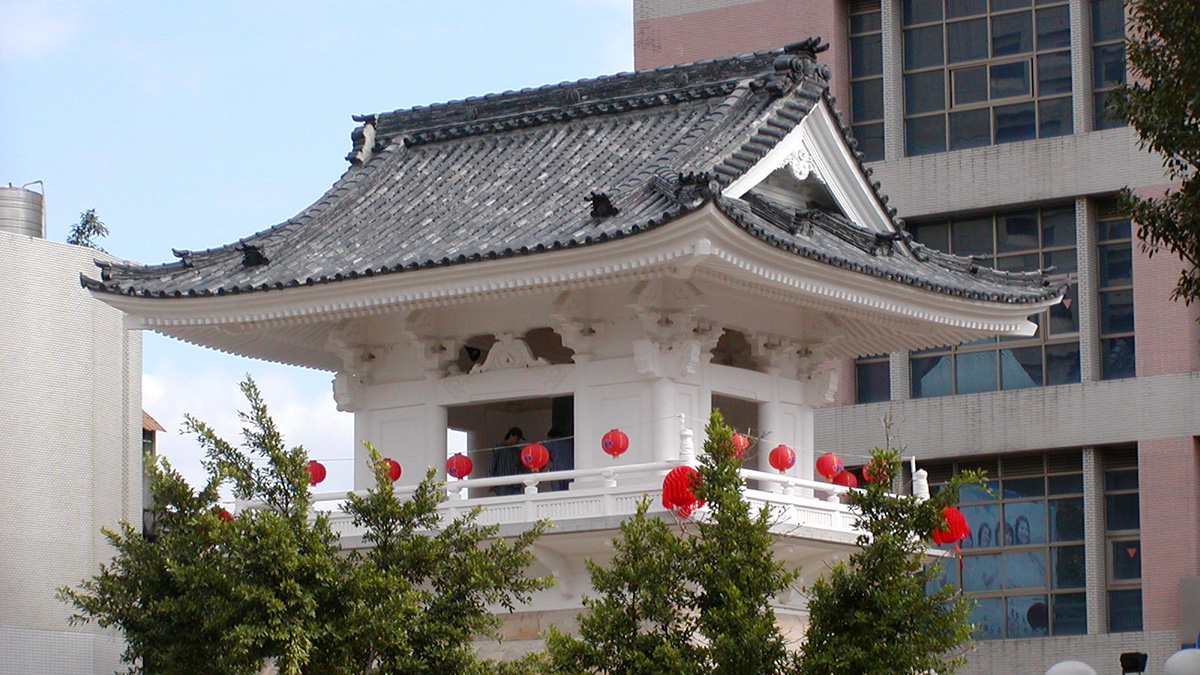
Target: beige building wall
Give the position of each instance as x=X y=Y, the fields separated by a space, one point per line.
x=70 y=444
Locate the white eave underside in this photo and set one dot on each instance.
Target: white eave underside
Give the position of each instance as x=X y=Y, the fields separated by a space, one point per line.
x=290 y=325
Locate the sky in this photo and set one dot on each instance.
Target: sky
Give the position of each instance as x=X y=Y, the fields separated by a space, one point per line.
x=190 y=125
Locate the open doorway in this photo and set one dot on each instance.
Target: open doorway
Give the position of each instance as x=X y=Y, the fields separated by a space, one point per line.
x=482 y=432
x=742 y=416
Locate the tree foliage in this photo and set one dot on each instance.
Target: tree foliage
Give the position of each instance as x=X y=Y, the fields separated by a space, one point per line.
x=215 y=594
x=87 y=230
x=870 y=614
x=1162 y=104
x=694 y=602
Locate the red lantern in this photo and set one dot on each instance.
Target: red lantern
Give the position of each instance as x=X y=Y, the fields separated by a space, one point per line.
x=876 y=471
x=225 y=516
x=782 y=458
x=828 y=465
x=678 y=490
x=615 y=442
x=459 y=466
x=740 y=443
x=393 y=468
x=956 y=530
x=534 y=456
x=316 y=472
x=845 y=479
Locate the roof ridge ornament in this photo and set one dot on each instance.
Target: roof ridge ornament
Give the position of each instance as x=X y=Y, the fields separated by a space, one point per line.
x=602 y=206
x=252 y=256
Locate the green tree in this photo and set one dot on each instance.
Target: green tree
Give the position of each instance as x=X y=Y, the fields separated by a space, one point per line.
x=425 y=588
x=693 y=602
x=1162 y=104
x=871 y=614
x=215 y=594
x=87 y=230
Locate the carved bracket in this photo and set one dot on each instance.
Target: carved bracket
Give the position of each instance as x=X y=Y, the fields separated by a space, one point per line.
x=509 y=351
x=577 y=331
x=668 y=308
x=675 y=360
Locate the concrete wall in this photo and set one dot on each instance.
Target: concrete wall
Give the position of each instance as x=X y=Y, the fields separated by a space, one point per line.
x=70 y=442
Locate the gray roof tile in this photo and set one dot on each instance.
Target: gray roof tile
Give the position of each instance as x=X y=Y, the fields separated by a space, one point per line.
x=511 y=174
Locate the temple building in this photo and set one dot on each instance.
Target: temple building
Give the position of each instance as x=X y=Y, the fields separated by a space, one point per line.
x=626 y=252
x=985 y=124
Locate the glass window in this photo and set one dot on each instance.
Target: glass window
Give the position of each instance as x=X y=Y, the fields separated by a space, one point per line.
x=1021 y=240
x=1126 y=561
x=1122 y=520
x=1125 y=611
x=1108 y=56
x=873 y=380
x=1115 y=253
x=1024 y=563
x=866 y=83
x=1010 y=60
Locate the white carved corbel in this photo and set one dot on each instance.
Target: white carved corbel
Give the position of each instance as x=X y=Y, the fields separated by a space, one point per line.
x=436 y=355
x=359 y=360
x=509 y=351
x=667 y=308
x=347 y=392
x=578 y=332
x=674 y=360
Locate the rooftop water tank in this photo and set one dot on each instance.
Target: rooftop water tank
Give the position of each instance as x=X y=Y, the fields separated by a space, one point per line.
x=21 y=210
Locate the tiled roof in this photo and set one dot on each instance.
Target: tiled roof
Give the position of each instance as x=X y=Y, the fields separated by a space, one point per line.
x=555 y=167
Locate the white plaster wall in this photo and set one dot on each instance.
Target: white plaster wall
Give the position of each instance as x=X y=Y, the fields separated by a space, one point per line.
x=70 y=442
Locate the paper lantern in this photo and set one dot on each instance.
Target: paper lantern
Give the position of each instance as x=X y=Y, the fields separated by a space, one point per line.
x=225 y=516
x=615 y=442
x=956 y=527
x=828 y=465
x=740 y=443
x=782 y=458
x=876 y=471
x=459 y=466
x=316 y=472
x=678 y=490
x=393 y=468
x=534 y=456
x=845 y=479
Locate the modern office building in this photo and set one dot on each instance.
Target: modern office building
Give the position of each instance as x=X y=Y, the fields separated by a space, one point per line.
x=983 y=122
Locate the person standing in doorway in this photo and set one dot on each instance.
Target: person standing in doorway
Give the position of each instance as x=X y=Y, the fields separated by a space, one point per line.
x=506 y=461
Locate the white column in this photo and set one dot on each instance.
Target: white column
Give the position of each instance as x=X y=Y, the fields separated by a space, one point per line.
x=666 y=421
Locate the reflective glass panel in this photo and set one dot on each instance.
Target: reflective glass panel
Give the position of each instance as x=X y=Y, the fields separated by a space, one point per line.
x=983 y=519
x=873 y=381
x=1063 y=262
x=866 y=55
x=972 y=236
x=1108 y=65
x=866 y=99
x=1028 y=616
x=1064 y=317
x=1116 y=264
x=925 y=135
x=1026 y=569
x=1100 y=110
x=1122 y=512
x=1021 y=368
x=935 y=235
x=959 y=8
x=923 y=47
x=863 y=23
x=1001 y=5
x=1062 y=364
x=966 y=41
x=1053 y=27
x=1108 y=20
x=1118 y=354
x=1058 y=226
x=1116 y=312
x=921 y=11
x=1024 y=523
x=1066 y=519
x=932 y=376
x=976 y=372
x=1071 y=483
x=1009 y=79
x=1016 y=231
x=970 y=129
x=1054 y=73
x=970 y=85
x=987 y=616
x=924 y=92
x=1017 y=488
x=1055 y=117
x=1127 y=559
x=1126 y=479
x=1125 y=611
x=1069 y=613
x=982 y=573
x=1012 y=34
x=1068 y=567
x=1114 y=229
x=1015 y=123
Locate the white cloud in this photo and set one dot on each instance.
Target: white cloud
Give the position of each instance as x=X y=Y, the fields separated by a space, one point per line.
x=35 y=29
x=205 y=385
